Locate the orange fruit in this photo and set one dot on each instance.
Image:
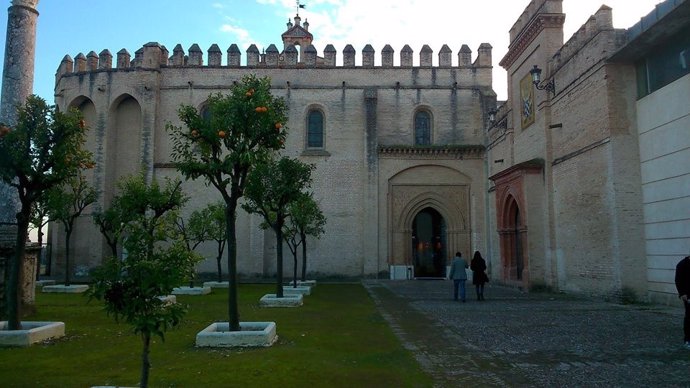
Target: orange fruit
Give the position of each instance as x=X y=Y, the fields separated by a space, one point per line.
x=221 y=134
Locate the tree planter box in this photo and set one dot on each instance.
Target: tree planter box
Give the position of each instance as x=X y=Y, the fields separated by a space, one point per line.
x=253 y=334
x=63 y=289
x=191 y=290
x=308 y=283
x=289 y=300
x=31 y=333
x=304 y=290
x=216 y=284
x=168 y=299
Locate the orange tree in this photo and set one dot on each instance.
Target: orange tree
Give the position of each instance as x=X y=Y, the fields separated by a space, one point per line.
x=157 y=261
x=271 y=188
x=42 y=151
x=237 y=131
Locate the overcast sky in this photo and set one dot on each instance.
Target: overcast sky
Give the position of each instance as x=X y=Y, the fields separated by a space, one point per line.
x=80 y=26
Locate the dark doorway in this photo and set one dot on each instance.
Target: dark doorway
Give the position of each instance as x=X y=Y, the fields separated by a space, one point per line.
x=429 y=244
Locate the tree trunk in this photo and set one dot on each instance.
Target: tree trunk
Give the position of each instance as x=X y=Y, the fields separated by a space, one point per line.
x=15 y=270
x=231 y=237
x=304 y=256
x=68 y=233
x=40 y=252
x=145 y=363
x=218 y=259
x=278 y=229
x=294 y=271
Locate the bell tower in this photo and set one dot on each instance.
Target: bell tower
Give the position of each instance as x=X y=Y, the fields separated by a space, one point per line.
x=297 y=35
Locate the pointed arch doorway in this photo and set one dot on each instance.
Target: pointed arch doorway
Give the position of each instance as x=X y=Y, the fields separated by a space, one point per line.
x=429 y=244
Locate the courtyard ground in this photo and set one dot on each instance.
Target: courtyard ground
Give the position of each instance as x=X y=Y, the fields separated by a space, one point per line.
x=516 y=339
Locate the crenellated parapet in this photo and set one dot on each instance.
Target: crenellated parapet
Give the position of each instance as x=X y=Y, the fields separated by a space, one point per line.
x=601 y=21
x=153 y=56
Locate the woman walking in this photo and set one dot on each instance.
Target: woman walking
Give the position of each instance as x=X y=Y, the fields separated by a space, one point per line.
x=479 y=277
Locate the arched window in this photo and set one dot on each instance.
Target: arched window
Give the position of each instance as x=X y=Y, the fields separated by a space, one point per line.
x=422 y=128
x=315 y=129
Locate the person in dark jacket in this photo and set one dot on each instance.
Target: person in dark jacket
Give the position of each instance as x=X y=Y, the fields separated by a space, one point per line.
x=683 y=286
x=479 y=277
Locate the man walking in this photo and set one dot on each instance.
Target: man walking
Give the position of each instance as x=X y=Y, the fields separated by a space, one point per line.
x=459 y=276
x=683 y=286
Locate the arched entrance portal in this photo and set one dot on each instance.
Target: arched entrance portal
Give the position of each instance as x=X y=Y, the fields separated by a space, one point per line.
x=429 y=244
x=513 y=237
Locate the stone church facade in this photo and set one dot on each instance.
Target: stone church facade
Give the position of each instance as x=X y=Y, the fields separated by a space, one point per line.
x=576 y=183
x=398 y=150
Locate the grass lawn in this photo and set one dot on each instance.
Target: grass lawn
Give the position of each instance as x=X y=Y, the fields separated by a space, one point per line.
x=337 y=339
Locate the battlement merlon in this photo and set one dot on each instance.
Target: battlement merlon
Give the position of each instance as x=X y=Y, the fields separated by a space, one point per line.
x=535 y=7
x=153 y=56
x=601 y=21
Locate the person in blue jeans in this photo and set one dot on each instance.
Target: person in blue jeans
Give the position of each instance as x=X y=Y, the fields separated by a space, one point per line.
x=459 y=276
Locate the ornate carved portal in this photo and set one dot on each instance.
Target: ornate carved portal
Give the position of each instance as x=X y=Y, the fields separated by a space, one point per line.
x=429 y=223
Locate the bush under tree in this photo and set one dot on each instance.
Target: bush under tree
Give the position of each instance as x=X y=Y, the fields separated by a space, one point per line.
x=132 y=288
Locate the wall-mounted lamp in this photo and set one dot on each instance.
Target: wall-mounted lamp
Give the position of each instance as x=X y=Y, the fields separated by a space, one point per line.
x=550 y=86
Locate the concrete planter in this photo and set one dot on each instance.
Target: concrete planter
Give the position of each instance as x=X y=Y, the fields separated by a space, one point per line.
x=217 y=284
x=32 y=332
x=41 y=283
x=253 y=334
x=168 y=299
x=63 y=289
x=289 y=300
x=191 y=290
x=309 y=283
x=304 y=290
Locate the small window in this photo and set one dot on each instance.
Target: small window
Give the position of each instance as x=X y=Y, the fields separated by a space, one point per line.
x=422 y=128
x=315 y=129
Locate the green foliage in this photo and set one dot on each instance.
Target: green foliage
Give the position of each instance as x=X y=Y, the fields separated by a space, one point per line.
x=111 y=224
x=131 y=288
x=67 y=202
x=42 y=151
x=222 y=144
x=208 y=224
x=237 y=131
x=306 y=219
x=271 y=188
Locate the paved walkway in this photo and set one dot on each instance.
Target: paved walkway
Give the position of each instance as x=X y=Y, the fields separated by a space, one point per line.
x=516 y=339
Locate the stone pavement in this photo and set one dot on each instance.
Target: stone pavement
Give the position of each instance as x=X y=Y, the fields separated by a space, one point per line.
x=516 y=339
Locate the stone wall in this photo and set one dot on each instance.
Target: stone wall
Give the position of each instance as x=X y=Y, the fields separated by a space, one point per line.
x=365 y=108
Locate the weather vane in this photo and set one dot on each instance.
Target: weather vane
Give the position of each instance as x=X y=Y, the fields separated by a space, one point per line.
x=299 y=6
